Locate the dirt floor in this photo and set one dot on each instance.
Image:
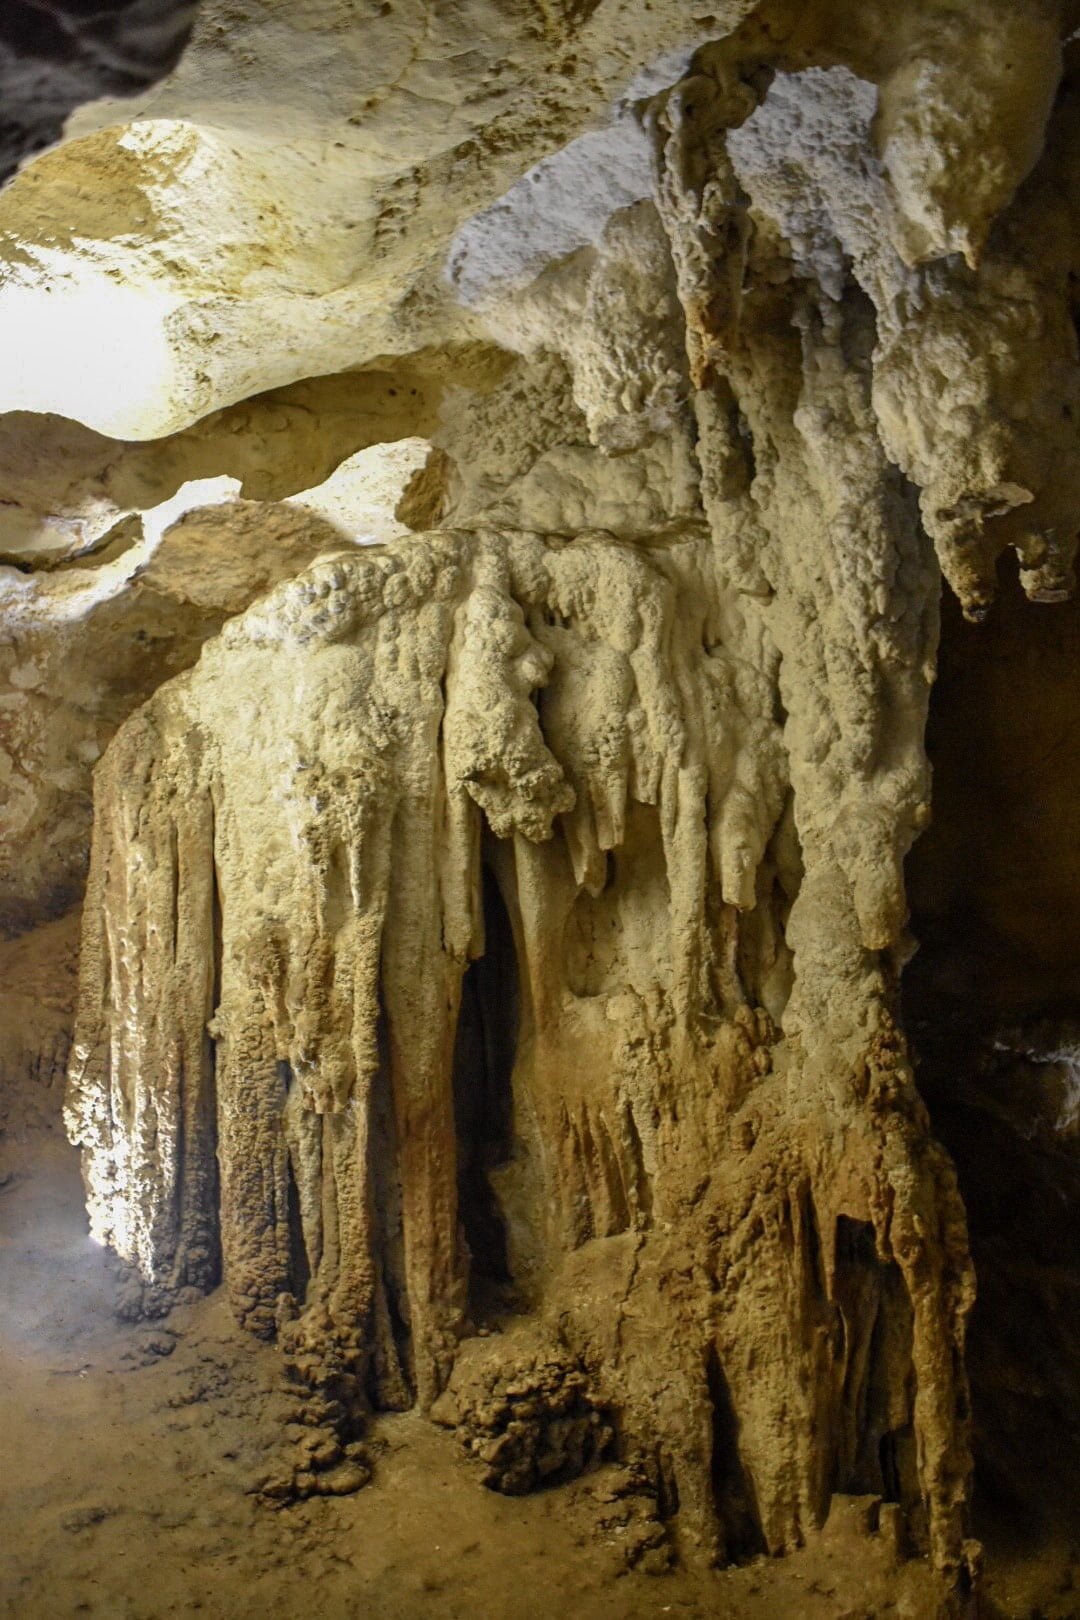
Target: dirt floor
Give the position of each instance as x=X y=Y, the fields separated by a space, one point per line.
x=129 y=1453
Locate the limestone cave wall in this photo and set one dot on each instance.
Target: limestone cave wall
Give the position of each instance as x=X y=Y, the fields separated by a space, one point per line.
x=473 y=589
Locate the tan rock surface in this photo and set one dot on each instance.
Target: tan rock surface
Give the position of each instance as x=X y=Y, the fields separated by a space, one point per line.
x=296 y=867
x=502 y=632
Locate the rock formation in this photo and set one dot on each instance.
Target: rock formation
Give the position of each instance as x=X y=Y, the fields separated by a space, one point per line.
x=290 y=848
x=500 y=926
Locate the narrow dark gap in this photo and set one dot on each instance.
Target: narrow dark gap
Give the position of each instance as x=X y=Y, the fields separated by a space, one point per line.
x=812 y=1232
x=385 y=1178
x=215 y=1262
x=667 y=1485
x=299 y=1265
x=889 y=1465
x=733 y=1492
x=746 y=440
x=991 y=1003
x=338 y=891
x=174 y=870
x=877 y=1455
x=850 y=1285
x=642 y=1181
x=854 y=1242
x=484 y=1055
x=217 y=928
x=888 y=1460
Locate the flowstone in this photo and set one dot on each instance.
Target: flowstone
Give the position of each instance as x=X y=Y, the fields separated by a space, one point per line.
x=756 y=1256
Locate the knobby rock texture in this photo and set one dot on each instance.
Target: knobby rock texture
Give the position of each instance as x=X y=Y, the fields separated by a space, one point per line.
x=499 y=585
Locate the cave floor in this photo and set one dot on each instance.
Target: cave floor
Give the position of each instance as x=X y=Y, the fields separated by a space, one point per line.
x=128 y=1453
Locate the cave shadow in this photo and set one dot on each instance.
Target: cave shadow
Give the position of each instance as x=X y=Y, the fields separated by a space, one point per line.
x=485 y=1051
x=991 y=994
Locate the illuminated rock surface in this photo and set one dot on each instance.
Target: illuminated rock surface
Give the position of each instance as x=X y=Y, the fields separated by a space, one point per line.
x=478 y=487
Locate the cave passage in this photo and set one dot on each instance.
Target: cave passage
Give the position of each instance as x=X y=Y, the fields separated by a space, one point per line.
x=992 y=1000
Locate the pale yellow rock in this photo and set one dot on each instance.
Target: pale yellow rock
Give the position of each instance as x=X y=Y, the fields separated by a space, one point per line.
x=512 y=910
x=318 y=808
x=191 y=229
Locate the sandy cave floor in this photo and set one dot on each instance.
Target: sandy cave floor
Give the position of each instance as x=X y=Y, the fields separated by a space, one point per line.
x=128 y=1451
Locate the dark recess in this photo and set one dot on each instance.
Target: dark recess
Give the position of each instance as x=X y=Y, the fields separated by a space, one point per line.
x=57 y=54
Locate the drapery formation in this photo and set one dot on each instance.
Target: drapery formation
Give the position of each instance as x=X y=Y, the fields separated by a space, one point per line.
x=713 y=1181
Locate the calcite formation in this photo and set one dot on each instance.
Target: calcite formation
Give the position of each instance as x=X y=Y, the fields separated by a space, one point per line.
x=496 y=909
x=287 y=891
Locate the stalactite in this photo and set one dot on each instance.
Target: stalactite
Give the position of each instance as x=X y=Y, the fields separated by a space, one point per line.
x=839 y=579
x=289 y=843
